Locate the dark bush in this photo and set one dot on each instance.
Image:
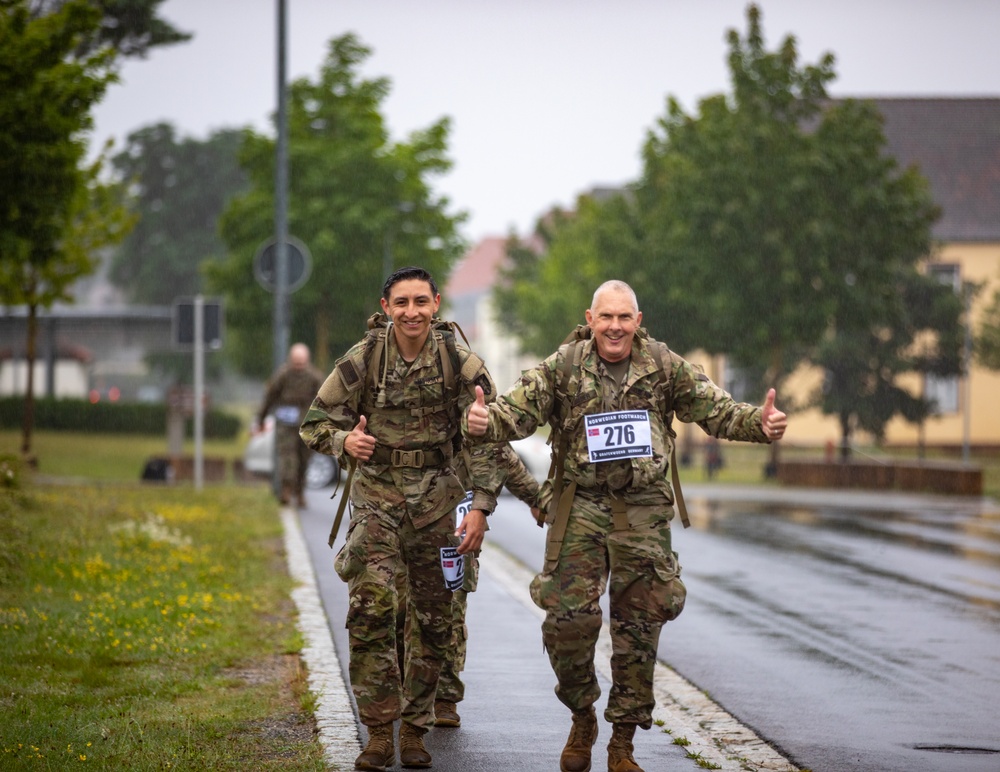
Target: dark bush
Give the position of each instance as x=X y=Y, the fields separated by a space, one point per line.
x=78 y=415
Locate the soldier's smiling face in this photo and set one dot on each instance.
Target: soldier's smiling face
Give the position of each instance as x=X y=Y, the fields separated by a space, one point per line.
x=411 y=306
x=613 y=321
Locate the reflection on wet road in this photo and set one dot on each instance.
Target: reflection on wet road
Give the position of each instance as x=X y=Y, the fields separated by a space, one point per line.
x=855 y=632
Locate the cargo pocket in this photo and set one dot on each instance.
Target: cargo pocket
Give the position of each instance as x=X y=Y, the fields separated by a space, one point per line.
x=544 y=589
x=350 y=561
x=668 y=588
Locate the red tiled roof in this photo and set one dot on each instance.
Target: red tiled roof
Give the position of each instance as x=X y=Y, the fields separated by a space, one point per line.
x=477 y=271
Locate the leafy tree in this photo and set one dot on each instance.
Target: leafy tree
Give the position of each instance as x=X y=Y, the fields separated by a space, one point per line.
x=987 y=341
x=887 y=318
x=129 y=27
x=355 y=199
x=916 y=330
x=54 y=212
x=771 y=227
x=730 y=198
x=543 y=293
x=45 y=101
x=715 y=235
x=180 y=188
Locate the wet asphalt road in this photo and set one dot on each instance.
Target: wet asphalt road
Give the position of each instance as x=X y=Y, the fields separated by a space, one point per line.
x=852 y=631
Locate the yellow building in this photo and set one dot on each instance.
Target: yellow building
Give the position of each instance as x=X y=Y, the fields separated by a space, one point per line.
x=955 y=143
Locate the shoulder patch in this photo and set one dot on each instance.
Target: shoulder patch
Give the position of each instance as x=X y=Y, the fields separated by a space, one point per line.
x=472 y=367
x=349 y=374
x=347 y=377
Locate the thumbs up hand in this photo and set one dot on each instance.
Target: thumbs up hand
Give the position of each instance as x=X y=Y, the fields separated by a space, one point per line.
x=358 y=443
x=478 y=415
x=773 y=421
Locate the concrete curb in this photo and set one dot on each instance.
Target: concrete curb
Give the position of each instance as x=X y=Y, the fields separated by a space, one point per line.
x=335 y=720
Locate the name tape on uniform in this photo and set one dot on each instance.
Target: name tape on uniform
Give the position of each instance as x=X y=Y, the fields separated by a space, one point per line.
x=622 y=434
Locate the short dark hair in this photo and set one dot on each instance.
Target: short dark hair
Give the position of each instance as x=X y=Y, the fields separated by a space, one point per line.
x=410 y=272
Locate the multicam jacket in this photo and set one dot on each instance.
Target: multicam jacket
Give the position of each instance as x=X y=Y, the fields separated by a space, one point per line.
x=288 y=394
x=415 y=422
x=686 y=392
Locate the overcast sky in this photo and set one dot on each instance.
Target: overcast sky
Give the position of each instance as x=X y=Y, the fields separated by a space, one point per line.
x=548 y=98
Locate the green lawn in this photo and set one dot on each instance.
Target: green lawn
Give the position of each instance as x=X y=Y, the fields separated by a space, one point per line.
x=146 y=627
x=111 y=457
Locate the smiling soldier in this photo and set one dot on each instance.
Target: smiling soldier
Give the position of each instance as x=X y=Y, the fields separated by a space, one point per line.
x=610 y=395
x=392 y=406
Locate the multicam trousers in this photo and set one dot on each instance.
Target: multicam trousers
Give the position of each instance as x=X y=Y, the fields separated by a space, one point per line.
x=376 y=551
x=450 y=685
x=293 y=457
x=645 y=592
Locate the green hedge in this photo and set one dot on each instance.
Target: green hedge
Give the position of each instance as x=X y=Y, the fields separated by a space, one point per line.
x=79 y=415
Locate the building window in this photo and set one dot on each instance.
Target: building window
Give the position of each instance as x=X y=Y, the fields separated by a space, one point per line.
x=943 y=392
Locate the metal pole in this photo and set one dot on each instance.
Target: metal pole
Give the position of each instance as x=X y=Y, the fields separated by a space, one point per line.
x=966 y=376
x=281 y=205
x=199 y=389
x=280 y=228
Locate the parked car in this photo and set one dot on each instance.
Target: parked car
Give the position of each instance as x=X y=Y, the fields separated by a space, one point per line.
x=258 y=458
x=534 y=452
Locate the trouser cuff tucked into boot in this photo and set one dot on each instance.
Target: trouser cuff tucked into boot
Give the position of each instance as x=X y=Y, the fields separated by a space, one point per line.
x=576 y=755
x=412 y=752
x=446 y=714
x=380 y=751
x=620 y=749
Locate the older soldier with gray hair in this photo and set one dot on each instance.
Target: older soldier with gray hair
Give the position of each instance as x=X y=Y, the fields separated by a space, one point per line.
x=610 y=396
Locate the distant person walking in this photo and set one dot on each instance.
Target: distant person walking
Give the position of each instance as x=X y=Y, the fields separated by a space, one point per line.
x=288 y=395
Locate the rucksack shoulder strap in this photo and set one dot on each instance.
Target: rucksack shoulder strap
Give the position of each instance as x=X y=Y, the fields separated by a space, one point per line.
x=657 y=349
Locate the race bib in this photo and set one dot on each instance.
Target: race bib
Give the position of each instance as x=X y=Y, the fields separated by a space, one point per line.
x=453 y=568
x=613 y=436
x=463 y=508
x=287 y=415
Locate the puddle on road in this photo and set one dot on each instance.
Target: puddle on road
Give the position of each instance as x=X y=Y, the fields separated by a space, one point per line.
x=956 y=749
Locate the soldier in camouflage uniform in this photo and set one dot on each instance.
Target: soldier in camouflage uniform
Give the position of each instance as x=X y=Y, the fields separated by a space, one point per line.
x=613 y=516
x=399 y=424
x=289 y=393
x=451 y=690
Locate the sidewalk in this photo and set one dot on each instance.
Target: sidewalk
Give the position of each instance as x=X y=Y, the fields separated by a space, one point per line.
x=511 y=719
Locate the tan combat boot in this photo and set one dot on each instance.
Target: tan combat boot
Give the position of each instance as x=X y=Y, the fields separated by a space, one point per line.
x=446 y=714
x=380 y=751
x=576 y=755
x=412 y=752
x=620 y=749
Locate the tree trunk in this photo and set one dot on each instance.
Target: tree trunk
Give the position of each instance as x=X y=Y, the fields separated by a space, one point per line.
x=321 y=355
x=29 y=394
x=845 y=437
x=775 y=377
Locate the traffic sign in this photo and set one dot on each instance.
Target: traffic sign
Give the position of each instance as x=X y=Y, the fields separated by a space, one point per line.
x=265 y=264
x=183 y=323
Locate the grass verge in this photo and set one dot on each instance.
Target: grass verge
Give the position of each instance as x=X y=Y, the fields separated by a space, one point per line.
x=148 y=629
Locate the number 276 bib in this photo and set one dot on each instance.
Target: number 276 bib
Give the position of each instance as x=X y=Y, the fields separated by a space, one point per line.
x=622 y=434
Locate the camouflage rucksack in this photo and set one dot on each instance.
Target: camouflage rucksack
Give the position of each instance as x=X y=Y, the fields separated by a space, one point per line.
x=372 y=367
